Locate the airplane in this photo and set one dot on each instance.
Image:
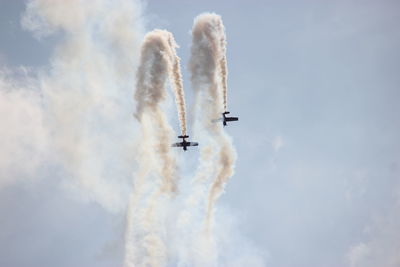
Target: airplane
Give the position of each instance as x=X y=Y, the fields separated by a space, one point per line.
x=224 y=118
x=184 y=144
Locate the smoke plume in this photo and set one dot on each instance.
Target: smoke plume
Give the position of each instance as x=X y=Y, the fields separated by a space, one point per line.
x=223 y=68
x=84 y=93
x=217 y=155
x=75 y=115
x=156 y=180
x=177 y=84
x=208 y=49
x=166 y=44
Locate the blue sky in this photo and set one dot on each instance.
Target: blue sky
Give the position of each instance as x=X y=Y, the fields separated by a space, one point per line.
x=316 y=87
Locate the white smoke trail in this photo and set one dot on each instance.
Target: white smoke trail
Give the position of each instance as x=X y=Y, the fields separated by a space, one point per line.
x=226 y=162
x=144 y=245
x=190 y=219
x=218 y=156
x=223 y=68
x=152 y=75
x=217 y=153
x=174 y=71
x=213 y=32
x=177 y=84
x=156 y=180
x=81 y=108
x=207 y=52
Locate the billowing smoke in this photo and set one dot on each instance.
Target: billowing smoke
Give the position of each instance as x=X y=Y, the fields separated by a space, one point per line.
x=207 y=52
x=226 y=162
x=145 y=241
x=223 y=68
x=177 y=84
x=154 y=69
x=198 y=245
x=85 y=93
x=156 y=180
x=171 y=62
x=76 y=116
x=23 y=134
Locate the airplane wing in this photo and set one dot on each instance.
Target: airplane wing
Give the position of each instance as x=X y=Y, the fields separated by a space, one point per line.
x=232 y=119
x=177 y=145
x=193 y=144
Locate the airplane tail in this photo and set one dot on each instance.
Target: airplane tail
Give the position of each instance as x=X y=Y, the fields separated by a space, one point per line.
x=183 y=136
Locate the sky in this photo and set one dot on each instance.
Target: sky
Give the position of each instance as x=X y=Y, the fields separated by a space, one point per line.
x=316 y=183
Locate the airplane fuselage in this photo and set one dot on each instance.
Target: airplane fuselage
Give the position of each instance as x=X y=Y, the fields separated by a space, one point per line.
x=184 y=144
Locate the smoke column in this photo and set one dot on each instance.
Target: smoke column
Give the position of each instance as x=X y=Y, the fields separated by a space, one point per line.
x=218 y=156
x=85 y=93
x=155 y=66
x=156 y=180
x=75 y=114
x=208 y=49
x=174 y=71
x=223 y=68
x=177 y=84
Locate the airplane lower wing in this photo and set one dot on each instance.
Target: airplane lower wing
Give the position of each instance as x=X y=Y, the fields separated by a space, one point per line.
x=186 y=144
x=232 y=119
x=177 y=145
